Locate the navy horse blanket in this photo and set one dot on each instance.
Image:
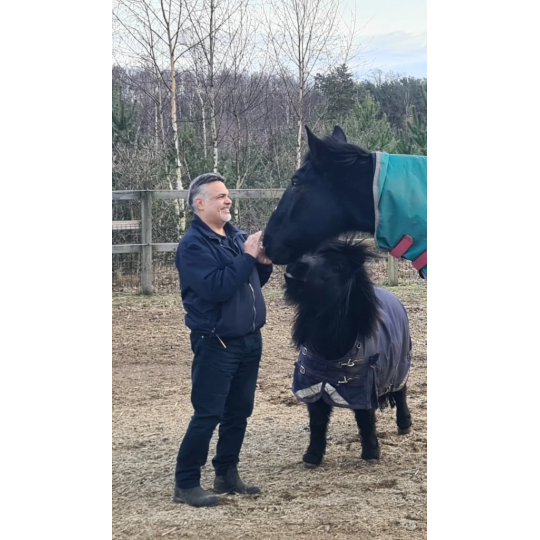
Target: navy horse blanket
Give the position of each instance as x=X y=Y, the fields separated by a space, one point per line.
x=372 y=368
x=400 y=195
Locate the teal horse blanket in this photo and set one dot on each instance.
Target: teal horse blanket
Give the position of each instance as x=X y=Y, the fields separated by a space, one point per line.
x=400 y=195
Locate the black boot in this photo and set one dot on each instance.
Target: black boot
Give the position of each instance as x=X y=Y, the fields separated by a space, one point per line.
x=231 y=483
x=196 y=496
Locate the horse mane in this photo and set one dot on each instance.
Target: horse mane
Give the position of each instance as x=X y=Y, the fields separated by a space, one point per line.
x=356 y=251
x=343 y=154
x=330 y=326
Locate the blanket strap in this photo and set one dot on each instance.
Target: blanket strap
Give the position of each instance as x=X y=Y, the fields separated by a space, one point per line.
x=402 y=246
x=421 y=261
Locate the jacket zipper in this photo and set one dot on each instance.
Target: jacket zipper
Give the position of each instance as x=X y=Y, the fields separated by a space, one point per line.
x=252 y=293
x=254 y=301
x=254 y=308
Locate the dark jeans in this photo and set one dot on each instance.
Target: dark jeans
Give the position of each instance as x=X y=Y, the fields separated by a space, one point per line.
x=223 y=392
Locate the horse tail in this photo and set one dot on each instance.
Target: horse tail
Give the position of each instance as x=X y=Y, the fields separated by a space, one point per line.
x=387 y=400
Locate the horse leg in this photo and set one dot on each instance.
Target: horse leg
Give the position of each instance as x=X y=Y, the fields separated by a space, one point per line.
x=319 y=416
x=365 y=420
x=403 y=415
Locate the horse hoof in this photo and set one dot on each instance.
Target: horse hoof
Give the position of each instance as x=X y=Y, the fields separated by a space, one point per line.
x=373 y=461
x=404 y=431
x=309 y=465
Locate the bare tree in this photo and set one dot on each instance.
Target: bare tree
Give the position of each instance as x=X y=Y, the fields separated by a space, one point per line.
x=307 y=35
x=155 y=32
x=247 y=73
x=213 y=35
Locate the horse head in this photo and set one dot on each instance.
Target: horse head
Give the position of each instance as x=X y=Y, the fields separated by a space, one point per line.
x=333 y=286
x=331 y=193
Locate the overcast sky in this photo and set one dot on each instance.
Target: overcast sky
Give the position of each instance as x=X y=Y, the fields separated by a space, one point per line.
x=395 y=34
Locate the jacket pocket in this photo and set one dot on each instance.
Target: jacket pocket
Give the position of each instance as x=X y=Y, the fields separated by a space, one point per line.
x=236 y=314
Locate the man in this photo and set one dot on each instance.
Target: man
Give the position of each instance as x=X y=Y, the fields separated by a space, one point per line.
x=221 y=273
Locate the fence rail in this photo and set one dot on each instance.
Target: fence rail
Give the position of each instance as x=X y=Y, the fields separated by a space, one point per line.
x=147 y=248
x=125 y=225
x=183 y=193
x=147 y=251
x=137 y=248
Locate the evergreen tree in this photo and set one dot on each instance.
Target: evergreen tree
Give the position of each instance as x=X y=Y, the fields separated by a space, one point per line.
x=123 y=122
x=414 y=139
x=397 y=97
x=419 y=127
x=338 y=91
x=367 y=127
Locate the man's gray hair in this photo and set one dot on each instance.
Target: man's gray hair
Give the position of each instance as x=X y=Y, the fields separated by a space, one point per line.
x=196 y=186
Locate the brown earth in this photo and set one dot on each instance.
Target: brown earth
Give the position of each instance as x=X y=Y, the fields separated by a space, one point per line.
x=345 y=498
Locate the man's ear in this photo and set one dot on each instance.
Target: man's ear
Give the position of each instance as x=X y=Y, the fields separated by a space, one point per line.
x=199 y=203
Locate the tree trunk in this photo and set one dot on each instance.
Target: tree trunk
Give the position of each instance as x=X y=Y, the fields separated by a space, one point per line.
x=213 y=123
x=237 y=165
x=203 y=112
x=300 y=120
x=156 y=123
x=178 y=203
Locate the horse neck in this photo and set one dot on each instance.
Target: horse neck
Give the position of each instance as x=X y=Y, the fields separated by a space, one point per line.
x=331 y=332
x=327 y=334
x=359 y=201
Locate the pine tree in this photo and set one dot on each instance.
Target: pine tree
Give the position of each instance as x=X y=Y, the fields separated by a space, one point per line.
x=419 y=127
x=414 y=139
x=368 y=127
x=338 y=90
x=123 y=123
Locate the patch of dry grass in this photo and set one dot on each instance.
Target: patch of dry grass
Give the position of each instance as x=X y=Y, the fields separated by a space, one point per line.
x=345 y=498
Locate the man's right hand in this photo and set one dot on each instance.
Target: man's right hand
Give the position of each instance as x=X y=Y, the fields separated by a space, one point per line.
x=252 y=245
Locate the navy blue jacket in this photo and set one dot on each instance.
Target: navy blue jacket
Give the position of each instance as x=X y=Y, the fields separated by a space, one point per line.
x=220 y=288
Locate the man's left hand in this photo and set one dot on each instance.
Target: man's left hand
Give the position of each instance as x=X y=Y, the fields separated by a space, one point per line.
x=262 y=257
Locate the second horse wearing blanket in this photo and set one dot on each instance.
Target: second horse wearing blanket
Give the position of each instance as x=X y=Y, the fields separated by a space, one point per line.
x=354 y=344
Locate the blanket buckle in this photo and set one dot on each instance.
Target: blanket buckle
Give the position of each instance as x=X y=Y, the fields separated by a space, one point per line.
x=350 y=362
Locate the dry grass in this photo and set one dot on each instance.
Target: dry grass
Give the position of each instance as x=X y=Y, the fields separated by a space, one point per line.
x=345 y=498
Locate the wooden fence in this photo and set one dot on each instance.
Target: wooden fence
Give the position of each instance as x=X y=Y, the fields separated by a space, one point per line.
x=146 y=248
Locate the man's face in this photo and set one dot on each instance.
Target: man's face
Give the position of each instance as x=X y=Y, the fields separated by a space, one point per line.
x=215 y=207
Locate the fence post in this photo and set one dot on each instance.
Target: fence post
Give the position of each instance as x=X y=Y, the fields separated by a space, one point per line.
x=146 y=233
x=392 y=271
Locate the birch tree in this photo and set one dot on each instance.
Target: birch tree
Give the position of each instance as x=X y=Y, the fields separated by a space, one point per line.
x=213 y=35
x=247 y=77
x=155 y=32
x=308 y=36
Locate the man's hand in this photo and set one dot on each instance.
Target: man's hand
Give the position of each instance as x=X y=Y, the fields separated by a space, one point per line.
x=252 y=246
x=262 y=257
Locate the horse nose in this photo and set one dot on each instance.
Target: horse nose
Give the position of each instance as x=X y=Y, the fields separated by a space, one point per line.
x=298 y=269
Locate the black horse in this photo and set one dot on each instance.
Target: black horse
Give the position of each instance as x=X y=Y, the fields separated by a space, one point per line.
x=341 y=187
x=354 y=344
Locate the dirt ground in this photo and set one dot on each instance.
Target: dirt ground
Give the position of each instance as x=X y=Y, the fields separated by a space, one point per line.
x=345 y=498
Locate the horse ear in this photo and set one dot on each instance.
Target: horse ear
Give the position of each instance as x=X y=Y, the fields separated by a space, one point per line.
x=317 y=148
x=339 y=134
